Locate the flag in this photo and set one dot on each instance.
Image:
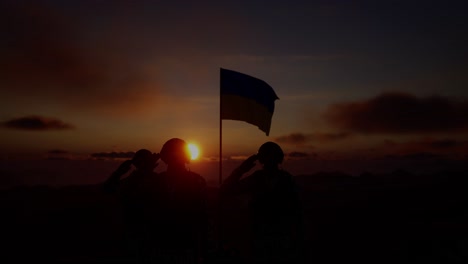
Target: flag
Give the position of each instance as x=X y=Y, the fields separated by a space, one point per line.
x=246 y=98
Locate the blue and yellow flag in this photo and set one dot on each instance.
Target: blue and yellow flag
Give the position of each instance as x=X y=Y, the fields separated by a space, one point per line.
x=246 y=98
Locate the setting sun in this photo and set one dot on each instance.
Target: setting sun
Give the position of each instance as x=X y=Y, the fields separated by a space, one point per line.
x=194 y=151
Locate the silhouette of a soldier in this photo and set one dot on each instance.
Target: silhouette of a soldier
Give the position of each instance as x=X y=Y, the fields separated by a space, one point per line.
x=184 y=226
x=141 y=195
x=274 y=206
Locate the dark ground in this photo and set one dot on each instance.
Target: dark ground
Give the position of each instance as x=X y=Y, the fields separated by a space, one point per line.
x=393 y=218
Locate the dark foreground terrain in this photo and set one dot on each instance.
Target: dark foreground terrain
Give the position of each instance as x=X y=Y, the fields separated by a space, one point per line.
x=393 y=218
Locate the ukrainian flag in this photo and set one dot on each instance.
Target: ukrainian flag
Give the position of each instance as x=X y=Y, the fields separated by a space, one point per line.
x=246 y=98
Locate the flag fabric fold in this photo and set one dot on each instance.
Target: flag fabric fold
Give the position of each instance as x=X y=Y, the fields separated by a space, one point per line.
x=246 y=98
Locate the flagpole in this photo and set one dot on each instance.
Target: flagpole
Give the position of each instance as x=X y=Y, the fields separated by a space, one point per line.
x=220 y=136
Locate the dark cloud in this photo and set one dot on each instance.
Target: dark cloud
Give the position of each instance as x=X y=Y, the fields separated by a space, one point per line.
x=437 y=144
x=443 y=143
x=302 y=139
x=58 y=152
x=113 y=155
x=418 y=156
x=51 y=54
x=400 y=113
x=445 y=146
x=36 y=123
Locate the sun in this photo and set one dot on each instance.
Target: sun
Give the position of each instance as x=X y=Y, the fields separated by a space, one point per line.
x=194 y=151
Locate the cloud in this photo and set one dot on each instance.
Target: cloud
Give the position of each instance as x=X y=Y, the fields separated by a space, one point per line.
x=418 y=156
x=439 y=146
x=400 y=113
x=36 y=123
x=446 y=144
x=113 y=155
x=302 y=139
x=48 y=54
x=58 y=152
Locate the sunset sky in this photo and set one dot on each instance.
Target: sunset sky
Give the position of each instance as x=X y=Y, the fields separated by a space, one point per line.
x=354 y=78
